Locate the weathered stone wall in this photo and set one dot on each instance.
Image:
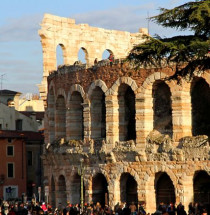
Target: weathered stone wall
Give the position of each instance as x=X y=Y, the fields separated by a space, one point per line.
x=179 y=155
x=71 y=37
x=126 y=124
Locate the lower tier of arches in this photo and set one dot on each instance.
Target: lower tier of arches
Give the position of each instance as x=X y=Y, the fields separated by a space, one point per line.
x=151 y=183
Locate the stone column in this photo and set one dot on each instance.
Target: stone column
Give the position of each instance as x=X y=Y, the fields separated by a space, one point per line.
x=88 y=190
x=112 y=120
x=144 y=119
x=86 y=116
x=181 y=111
x=49 y=63
x=185 y=190
x=114 y=193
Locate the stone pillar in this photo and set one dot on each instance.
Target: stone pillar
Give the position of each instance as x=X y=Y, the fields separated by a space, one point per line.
x=144 y=119
x=49 y=63
x=150 y=196
x=68 y=123
x=185 y=190
x=181 y=111
x=88 y=190
x=112 y=120
x=114 y=193
x=86 y=122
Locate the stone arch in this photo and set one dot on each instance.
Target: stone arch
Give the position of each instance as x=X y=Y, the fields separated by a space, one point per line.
x=75 y=188
x=61 y=92
x=128 y=188
x=127 y=113
x=77 y=88
x=100 y=189
x=150 y=186
x=96 y=96
x=97 y=83
x=75 y=116
x=106 y=53
x=64 y=54
x=162 y=107
x=84 y=50
x=201 y=187
x=52 y=191
x=165 y=190
x=200 y=106
x=60 y=114
x=61 y=190
x=205 y=75
x=144 y=100
x=122 y=80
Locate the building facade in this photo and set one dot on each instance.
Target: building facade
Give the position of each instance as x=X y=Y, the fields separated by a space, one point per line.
x=137 y=136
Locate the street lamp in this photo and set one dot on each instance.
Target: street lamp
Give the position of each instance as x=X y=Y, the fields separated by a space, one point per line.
x=81 y=173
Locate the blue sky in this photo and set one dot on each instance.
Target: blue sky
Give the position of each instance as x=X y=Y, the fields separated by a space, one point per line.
x=20 y=47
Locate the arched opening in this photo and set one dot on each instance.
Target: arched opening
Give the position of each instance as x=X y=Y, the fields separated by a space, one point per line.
x=164 y=187
x=83 y=56
x=52 y=195
x=201 y=187
x=128 y=189
x=100 y=189
x=76 y=126
x=51 y=116
x=106 y=54
x=162 y=108
x=200 y=99
x=60 y=117
x=62 y=190
x=127 y=113
x=60 y=54
x=98 y=114
x=75 y=189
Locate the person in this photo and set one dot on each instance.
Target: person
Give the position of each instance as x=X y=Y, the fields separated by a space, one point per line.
x=111 y=59
x=141 y=209
x=95 y=61
x=133 y=208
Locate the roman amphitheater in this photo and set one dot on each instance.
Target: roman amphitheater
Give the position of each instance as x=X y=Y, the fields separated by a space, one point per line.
x=137 y=136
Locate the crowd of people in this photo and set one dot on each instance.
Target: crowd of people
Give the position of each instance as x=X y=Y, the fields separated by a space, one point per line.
x=19 y=208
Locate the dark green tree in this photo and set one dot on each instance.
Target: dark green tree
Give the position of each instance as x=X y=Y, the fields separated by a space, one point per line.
x=185 y=54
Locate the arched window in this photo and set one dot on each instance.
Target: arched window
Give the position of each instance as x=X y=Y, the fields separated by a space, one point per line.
x=83 y=56
x=75 y=189
x=100 y=189
x=60 y=49
x=127 y=113
x=62 y=190
x=52 y=195
x=200 y=98
x=201 y=187
x=128 y=189
x=106 y=54
x=98 y=114
x=76 y=126
x=162 y=108
x=60 y=117
x=164 y=187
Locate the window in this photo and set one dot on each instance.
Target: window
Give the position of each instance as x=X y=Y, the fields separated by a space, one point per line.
x=10 y=150
x=19 y=124
x=10 y=170
x=29 y=158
